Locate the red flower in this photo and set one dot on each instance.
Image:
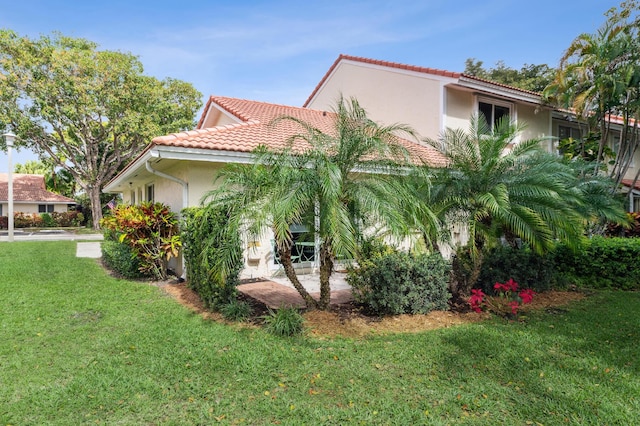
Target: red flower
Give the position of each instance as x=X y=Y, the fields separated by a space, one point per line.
x=512 y=285
x=476 y=299
x=526 y=295
x=514 y=307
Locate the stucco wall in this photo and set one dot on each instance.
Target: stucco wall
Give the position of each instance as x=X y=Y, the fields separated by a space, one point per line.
x=31 y=208
x=460 y=106
x=389 y=96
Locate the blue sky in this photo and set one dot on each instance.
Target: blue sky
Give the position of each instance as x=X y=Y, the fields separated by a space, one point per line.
x=277 y=51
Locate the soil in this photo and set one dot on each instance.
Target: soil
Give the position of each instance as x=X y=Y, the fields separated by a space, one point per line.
x=350 y=320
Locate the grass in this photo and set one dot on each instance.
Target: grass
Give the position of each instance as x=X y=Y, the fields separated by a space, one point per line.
x=80 y=347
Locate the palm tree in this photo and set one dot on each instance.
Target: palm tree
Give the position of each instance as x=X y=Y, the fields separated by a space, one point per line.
x=496 y=186
x=347 y=180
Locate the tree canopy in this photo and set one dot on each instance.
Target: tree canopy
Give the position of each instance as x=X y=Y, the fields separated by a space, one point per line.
x=529 y=77
x=89 y=111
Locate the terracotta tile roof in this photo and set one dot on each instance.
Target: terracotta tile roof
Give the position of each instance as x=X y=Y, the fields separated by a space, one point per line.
x=628 y=182
x=255 y=128
x=29 y=188
x=424 y=70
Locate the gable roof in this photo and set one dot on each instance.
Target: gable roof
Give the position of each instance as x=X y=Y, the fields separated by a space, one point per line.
x=461 y=79
x=30 y=189
x=255 y=126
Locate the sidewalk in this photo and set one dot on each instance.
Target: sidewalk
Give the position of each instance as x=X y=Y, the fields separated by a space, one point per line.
x=48 y=235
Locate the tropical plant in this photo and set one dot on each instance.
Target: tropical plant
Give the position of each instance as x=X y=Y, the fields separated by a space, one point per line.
x=151 y=230
x=599 y=79
x=496 y=186
x=345 y=181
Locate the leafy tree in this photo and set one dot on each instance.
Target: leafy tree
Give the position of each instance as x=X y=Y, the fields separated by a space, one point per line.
x=530 y=77
x=599 y=78
x=498 y=188
x=90 y=111
x=59 y=181
x=321 y=189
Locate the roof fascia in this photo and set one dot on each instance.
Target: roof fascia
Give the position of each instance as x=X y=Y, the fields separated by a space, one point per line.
x=181 y=154
x=498 y=90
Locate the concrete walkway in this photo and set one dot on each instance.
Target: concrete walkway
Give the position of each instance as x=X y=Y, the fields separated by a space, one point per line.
x=91 y=250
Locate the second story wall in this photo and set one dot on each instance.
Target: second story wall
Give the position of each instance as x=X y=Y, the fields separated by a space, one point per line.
x=388 y=95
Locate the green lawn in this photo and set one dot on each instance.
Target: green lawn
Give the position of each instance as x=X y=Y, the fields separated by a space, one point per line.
x=77 y=346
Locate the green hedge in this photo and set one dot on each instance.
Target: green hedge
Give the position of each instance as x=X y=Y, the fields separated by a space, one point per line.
x=213 y=255
x=120 y=258
x=601 y=263
x=398 y=283
x=528 y=269
x=598 y=263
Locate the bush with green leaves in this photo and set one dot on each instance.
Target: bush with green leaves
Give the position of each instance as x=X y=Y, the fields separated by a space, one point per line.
x=285 y=321
x=120 y=258
x=529 y=269
x=401 y=283
x=213 y=255
x=601 y=263
x=47 y=221
x=151 y=231
x=236 y=310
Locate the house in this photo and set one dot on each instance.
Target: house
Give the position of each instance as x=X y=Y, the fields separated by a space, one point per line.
x=31 y=196
x=178 y=169
x=431 y=100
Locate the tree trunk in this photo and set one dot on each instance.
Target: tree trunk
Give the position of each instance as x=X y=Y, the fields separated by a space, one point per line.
x=96 y=206
x=326 y=269
x=284 y=250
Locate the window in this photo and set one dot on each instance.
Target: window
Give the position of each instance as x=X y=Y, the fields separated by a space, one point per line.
x=45 y=208
x=566 y=132
x=493 y=112
x=150 y=194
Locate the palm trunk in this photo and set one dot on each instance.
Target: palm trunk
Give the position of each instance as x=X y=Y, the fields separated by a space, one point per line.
x=326 y=269
x=284 y=250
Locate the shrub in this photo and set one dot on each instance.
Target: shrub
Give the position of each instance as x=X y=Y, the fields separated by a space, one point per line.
x=66 y=219
x=398 y=283
x=26 y=220
x=283 y=322
x=120 y=258
x=213 y=255
x=150 y=230
x=528 y=268
x=601 y=263
x=47 y=221
x=236 y=310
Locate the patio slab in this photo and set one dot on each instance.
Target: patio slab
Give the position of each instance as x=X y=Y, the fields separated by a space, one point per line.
x=275 y=295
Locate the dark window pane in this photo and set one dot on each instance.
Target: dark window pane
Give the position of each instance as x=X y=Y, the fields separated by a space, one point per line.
x=499 y=113
x=486 y=111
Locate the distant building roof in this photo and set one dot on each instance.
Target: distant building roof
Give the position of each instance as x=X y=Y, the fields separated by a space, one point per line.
x=29 y=189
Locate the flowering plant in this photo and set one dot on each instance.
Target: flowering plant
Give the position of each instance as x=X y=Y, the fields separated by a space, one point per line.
x=509 y=298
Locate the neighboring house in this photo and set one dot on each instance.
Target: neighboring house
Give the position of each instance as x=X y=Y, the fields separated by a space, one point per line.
x=179 y=169
x=31 y=196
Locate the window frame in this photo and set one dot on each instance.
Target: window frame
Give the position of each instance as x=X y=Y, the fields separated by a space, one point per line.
x=46 y=208
x=510 y=106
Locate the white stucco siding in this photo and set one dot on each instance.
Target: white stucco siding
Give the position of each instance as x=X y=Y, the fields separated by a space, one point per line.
x=537 y=122
x=388 y=95
x=460 y=106
x=201 y=177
